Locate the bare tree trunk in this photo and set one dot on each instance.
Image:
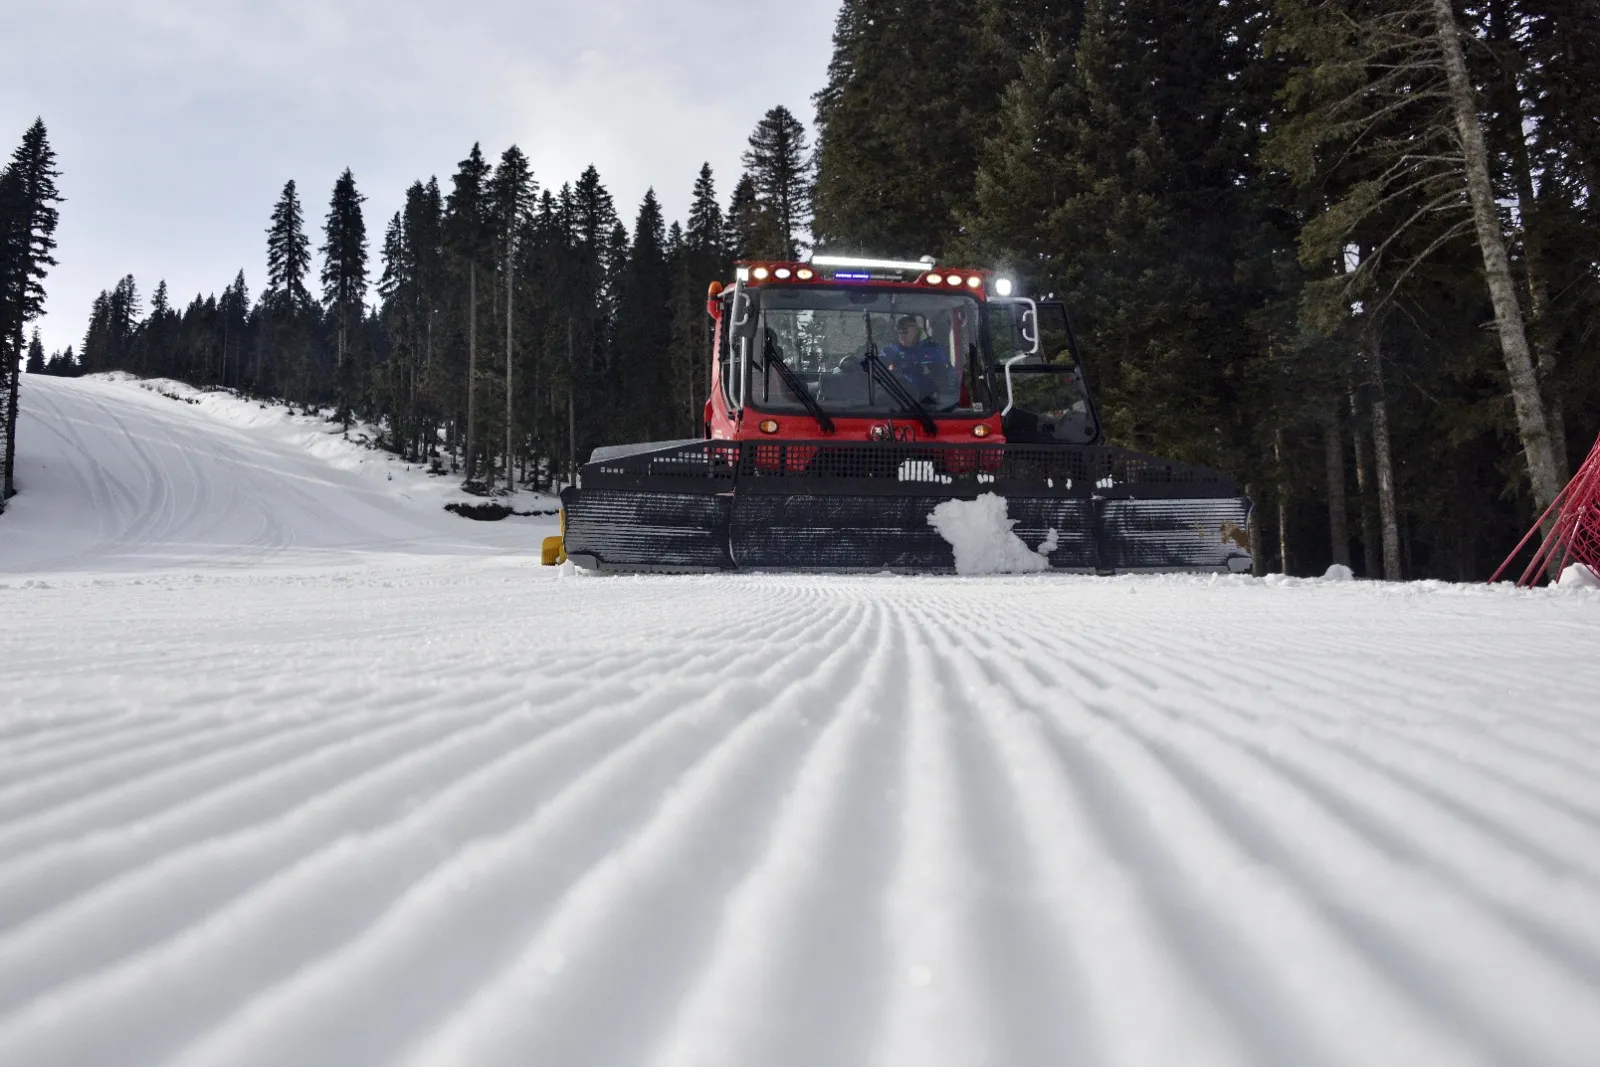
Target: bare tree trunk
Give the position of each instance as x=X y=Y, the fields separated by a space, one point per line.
x=1370 y=537
x=472 y=364
x=572 y=414
x=534 y=420
x=1258 y=561
x=1283 y=502
x=511 y=481
x=1534 y=262
x=1338 y=518
x=1387 y=510
x=1532 y=423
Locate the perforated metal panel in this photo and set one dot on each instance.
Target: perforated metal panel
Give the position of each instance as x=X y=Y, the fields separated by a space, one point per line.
x=634 y=529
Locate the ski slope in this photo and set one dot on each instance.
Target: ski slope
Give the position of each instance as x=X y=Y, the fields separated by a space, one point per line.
x=297 y=768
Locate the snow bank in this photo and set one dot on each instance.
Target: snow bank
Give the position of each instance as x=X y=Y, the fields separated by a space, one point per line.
x=980 y=532
x=119 y=475
x=323 y=437
x=1339 y=573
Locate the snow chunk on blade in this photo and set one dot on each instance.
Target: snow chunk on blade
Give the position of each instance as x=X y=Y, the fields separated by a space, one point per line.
x=980 y=532
x=1579 y=576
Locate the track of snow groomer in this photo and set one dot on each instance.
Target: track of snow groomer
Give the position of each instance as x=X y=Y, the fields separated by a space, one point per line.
x=433 y=804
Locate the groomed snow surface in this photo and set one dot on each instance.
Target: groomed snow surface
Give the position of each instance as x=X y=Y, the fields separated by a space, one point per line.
x=297 y=768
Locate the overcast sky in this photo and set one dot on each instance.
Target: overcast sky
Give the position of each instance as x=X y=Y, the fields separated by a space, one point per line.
x=176 y=122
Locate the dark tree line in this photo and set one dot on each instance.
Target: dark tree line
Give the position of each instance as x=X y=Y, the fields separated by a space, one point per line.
x=514 y=328
x=1347 y=249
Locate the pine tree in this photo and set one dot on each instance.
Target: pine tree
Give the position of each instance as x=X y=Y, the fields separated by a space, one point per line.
x=704 y=257
x=705 y=234
x=644 y=328
x=288 y=254
x=97 y=338
x=35 y=354
x=512 y=198
x=468 y=240
x=234 y=311
x=62 y=364
x=910 y=97
x=344 y=264
x=285 y=355
x=779 y=164
x=753 y=230
x=28 y=219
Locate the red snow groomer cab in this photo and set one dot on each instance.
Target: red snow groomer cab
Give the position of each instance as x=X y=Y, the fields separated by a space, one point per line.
x=850 y=397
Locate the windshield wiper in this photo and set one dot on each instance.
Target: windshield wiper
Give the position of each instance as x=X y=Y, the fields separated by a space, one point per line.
x=798 y=388
x=892 y=383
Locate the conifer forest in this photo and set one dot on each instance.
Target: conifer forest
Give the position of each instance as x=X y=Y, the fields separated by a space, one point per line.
x=1346 y=250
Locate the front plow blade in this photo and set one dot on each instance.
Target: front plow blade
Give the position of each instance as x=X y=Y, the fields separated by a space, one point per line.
x=820 y=506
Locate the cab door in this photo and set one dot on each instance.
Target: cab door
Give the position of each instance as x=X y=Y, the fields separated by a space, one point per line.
x=1047 y=396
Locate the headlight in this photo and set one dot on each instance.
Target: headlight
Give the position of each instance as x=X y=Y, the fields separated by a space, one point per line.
x=1003 y=286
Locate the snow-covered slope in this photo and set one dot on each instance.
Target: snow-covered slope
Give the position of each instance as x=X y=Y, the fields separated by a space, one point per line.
x=438 y=805
x=118 y=474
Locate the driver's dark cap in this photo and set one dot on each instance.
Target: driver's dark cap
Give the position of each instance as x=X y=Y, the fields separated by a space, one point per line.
x=908 y=320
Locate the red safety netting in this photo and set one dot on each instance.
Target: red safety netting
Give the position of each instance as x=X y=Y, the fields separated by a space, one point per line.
x=1573 y=521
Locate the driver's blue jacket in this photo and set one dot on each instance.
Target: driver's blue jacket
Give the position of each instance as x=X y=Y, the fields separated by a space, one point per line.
x=922 y=366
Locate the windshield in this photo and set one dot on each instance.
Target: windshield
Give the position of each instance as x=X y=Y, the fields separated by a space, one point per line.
x=928 y=342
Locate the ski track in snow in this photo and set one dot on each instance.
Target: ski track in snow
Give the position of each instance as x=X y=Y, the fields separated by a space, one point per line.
x=290 y=780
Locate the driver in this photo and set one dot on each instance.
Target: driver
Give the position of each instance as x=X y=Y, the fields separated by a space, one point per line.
x=918 y=360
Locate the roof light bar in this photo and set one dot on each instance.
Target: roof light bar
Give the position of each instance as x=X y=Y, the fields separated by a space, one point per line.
x=854 y=263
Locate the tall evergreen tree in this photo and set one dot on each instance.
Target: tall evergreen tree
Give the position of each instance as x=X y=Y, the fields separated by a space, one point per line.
x=513 y=195
x=28 y=219
x=35 y=363
x=705 y=236
x=344 y=263
x=753 y=231
x=468 y=240
x=644 y=327
x=779 y=163
x=909 y=99
x=288 y=253
x=704 y=258
x=234 y=311
x=285 y=354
